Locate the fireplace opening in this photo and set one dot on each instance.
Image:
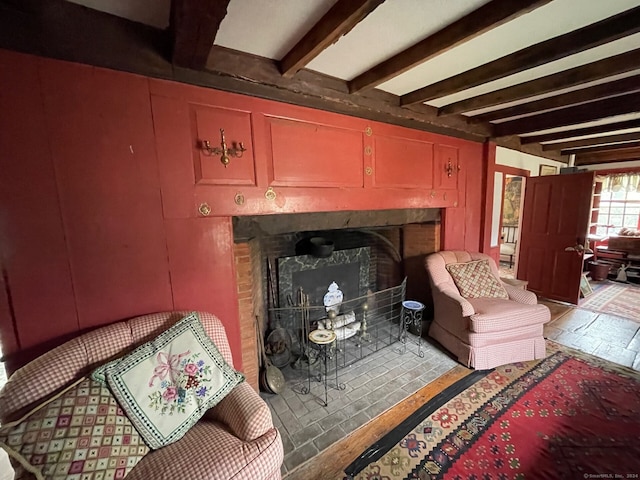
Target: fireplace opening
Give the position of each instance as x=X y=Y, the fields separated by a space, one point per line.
x=377 y=261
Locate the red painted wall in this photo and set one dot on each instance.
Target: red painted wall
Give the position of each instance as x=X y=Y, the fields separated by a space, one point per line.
x=101 y=182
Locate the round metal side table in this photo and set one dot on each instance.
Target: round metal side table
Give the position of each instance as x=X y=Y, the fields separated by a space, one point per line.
x=411 y=315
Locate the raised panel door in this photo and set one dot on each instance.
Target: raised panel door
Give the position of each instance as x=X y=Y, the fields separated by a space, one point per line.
x=402 y=162
x=446 y=167
x=206 y=125
x=305 y=154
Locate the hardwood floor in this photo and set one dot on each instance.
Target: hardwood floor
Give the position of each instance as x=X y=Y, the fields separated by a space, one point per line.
x=614 y=338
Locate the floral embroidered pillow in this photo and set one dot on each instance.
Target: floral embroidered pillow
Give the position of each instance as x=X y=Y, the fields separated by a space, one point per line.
x=167 y=384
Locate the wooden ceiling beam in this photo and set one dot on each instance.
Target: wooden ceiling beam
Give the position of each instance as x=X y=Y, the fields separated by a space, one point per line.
x=622 y=155
x=608 y=67
x=338 y=21
x=579 y=132
x=601 y=148
x=586 y=112
x=604 y=90
x=193 y=26
x=481 y=20
x=596 y=34
x=587 y=142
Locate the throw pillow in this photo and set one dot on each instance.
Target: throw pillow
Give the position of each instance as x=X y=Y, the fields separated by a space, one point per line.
x=79 y=433
x=167 y=384
x=476 y=280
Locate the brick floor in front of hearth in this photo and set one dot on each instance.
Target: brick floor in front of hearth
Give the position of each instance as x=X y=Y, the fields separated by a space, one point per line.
x=371 y=386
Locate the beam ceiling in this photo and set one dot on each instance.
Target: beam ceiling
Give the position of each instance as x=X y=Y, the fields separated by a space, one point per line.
x=65 y=30
x=599 y=33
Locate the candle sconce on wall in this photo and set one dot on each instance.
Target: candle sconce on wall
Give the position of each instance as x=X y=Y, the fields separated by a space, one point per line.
x=225 y=152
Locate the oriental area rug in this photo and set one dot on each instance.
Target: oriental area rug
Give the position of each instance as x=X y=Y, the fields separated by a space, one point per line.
x=570 y=415
x=615 y=299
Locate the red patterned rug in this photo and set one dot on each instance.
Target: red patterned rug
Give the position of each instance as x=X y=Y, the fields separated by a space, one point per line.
x=614 y=299
x=570 y=415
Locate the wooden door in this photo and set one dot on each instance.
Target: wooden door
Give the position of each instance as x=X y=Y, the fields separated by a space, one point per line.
x=555 y=217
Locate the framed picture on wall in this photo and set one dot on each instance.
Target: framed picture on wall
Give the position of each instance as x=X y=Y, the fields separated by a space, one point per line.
x=548 y=170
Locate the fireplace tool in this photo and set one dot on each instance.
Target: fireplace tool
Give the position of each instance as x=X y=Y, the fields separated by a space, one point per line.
x=278 y=342
x=271 y=378
x=305 y=359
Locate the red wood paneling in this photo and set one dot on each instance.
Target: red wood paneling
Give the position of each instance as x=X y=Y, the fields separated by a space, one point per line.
x=102 y=144
x=101 y=215
x=206 y=123
x=443 y=176
x=402 y=162
x=33 y=254
x=314 y=155
x=203 y=271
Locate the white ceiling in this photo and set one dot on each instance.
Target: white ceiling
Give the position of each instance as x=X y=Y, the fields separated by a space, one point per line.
x=270 y=28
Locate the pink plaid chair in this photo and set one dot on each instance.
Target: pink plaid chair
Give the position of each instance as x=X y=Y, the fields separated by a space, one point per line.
x=235 y=439
x=484 y=332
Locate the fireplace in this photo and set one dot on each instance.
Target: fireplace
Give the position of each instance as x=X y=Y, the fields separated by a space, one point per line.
x=374 y=251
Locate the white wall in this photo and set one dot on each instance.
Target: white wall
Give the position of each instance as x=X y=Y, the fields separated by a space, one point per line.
x=513 y=158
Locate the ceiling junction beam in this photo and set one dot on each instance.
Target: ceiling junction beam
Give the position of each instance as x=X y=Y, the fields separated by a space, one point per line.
x=193 y=26
x=338 y=21
x=605 y=31
x=577 y=114
x=624 y=154
x=604 y=90
x=617 y=64
x=481 y=20
x=579 y=132
x=601 y=148
x=587 y=142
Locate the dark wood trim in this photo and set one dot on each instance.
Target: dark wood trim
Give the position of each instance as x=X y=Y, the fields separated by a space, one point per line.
x=617 y=64
x=604 y=90
x=260 y=77
x=578 y=132
x=481 y=20
x=585 y=142
x=338 y=21
x=586 y=112
x=194 y=25
x=596 y=34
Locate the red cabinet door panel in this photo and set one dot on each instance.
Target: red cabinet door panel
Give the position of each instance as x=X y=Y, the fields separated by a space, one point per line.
x=206 y=122
x=446 y=168
x=312 y=155
x=402 y=162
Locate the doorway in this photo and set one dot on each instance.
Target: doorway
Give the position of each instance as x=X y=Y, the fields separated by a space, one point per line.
x=510 y=182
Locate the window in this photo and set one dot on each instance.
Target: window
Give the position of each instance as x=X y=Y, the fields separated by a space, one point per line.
x=619 y=204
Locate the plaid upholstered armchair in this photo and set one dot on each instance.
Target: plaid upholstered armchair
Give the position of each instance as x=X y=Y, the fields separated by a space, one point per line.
x=234 y=439
x=481 y=320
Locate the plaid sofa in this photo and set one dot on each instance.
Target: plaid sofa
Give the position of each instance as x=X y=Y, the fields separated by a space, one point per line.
x=235 y=439
x=484 y=333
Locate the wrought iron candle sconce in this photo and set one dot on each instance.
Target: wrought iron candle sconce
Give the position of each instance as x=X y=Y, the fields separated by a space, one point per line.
x=225 y=152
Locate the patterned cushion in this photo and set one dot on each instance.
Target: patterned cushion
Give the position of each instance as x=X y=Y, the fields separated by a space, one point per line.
x=476 y=280
x=167 y=384
x=80 y=433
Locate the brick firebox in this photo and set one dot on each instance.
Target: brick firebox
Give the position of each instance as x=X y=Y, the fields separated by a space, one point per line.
x=399 y=241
